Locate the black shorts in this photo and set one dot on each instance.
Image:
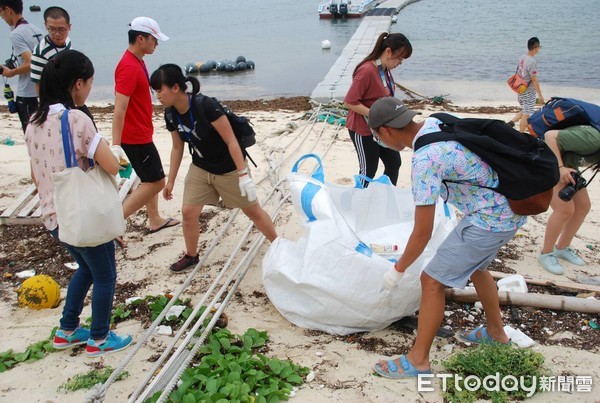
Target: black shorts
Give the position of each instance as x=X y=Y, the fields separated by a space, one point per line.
x=145 y=160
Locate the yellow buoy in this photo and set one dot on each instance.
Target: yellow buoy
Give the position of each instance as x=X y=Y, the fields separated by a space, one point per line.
x=39 y=292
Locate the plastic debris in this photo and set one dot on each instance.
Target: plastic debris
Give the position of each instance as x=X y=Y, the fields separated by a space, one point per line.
x=7 y=141
x=514 y=283
x=593 y=324
x=332 y=120
x=175 y=311
x=310 y=377
x=590 y=280
x=518 y=337
x=164 y=330
x=26 y=273
x=131 y=300
x=319 y=354
x=590 y=247
x=72 y=265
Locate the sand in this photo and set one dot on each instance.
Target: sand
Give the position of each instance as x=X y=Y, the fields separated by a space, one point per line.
x=343 y=372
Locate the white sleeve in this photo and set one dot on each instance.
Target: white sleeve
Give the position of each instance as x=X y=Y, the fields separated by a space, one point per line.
x=94 y=145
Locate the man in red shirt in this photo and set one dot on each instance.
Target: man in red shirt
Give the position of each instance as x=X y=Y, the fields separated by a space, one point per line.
x=132 y=127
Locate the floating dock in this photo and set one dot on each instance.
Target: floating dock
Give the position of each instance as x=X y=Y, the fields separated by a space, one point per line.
x=336 y=83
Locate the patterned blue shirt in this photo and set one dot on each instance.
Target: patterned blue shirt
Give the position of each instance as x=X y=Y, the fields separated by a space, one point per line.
x=451 y=161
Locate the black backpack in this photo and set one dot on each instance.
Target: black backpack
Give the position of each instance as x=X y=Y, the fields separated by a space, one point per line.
x=242 y=128
x=527 y=168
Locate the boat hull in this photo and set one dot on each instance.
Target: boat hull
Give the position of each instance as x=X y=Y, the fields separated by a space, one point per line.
x=329 y=16
x=353 y=11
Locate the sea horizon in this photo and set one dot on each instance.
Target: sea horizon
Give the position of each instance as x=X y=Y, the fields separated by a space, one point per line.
x=466 y=61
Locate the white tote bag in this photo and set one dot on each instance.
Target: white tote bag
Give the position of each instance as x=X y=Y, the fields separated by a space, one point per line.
x=331 y=279
x=88 y=206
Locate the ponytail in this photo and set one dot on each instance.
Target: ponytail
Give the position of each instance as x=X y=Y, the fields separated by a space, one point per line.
x=57 y=80
x=398 y=43
x=170 y=75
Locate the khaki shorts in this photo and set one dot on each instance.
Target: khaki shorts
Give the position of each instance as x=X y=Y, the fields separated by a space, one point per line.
x=202 y=188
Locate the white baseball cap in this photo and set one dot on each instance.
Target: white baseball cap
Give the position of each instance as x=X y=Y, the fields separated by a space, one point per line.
x=149 y=26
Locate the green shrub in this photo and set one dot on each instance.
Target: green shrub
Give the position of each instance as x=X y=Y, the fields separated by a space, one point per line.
x=231 y=370
x=489 y=360
x=89 y=379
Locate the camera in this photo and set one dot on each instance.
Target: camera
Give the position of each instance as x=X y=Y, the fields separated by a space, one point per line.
x=567 y=193
x=9 y=63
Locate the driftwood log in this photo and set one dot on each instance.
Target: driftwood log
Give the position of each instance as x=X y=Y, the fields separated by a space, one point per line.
x=556 y=302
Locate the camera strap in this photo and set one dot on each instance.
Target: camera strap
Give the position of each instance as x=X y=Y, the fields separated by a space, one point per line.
x=593 y=176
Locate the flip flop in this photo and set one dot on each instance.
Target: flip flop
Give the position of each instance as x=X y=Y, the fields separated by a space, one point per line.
x=484 y=337
x=409 y=370
x=170 y=222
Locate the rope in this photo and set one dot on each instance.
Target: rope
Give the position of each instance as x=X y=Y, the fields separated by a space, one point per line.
x=179 y=360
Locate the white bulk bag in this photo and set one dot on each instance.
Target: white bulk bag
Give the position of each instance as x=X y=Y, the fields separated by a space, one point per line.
x=330 y=279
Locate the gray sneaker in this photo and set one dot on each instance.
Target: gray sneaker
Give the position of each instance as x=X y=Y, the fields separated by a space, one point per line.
x=569 y=255
x=550 y=263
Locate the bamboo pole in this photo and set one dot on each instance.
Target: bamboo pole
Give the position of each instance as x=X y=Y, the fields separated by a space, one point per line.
x=556 y=302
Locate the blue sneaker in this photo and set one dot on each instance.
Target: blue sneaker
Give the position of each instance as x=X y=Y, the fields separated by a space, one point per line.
x=111 y=344
x=78 y=337
x=569 y=255
x=550 y=263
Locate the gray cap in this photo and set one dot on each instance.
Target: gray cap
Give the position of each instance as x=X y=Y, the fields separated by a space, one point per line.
x=390 y=111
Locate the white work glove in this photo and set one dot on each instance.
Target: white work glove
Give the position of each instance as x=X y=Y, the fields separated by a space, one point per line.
x=391 y=278
x=247 y=187
x=120 y=155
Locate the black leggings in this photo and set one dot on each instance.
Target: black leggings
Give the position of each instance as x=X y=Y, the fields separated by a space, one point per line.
x=369 y=153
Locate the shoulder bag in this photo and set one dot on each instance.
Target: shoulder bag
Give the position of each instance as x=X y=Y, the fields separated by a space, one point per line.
x=516 y=83
x=88 y=206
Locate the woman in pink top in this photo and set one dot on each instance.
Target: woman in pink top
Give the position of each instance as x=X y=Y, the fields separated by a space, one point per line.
x=372 y=79
x=65 y=83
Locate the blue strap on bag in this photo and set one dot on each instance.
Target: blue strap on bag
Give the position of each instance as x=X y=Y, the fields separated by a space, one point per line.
x=69 y=148
x=310 y=190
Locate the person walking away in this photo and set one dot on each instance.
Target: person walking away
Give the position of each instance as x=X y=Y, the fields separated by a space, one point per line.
x=218 y=169
x=448 y=170
x=528 y=71
x=372 y=79
x=24 y=37
x=573 y=146
x=132 y=127
x=63 y=84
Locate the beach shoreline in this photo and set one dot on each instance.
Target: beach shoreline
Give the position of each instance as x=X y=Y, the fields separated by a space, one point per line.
x=343 y=365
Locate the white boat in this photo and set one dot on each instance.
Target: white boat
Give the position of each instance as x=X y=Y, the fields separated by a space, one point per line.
x=346 y=8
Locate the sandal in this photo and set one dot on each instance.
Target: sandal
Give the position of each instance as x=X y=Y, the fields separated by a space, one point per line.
x=483 y=337
x=408 y=370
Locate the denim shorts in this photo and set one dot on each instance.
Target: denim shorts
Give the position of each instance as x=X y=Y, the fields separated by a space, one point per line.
x=466 y=249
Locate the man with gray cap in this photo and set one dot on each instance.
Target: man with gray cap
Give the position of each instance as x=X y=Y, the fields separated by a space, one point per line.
x=449 y=170
x=132 y=127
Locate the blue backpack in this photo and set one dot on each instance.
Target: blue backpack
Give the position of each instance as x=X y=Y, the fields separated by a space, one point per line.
x=559 y=113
